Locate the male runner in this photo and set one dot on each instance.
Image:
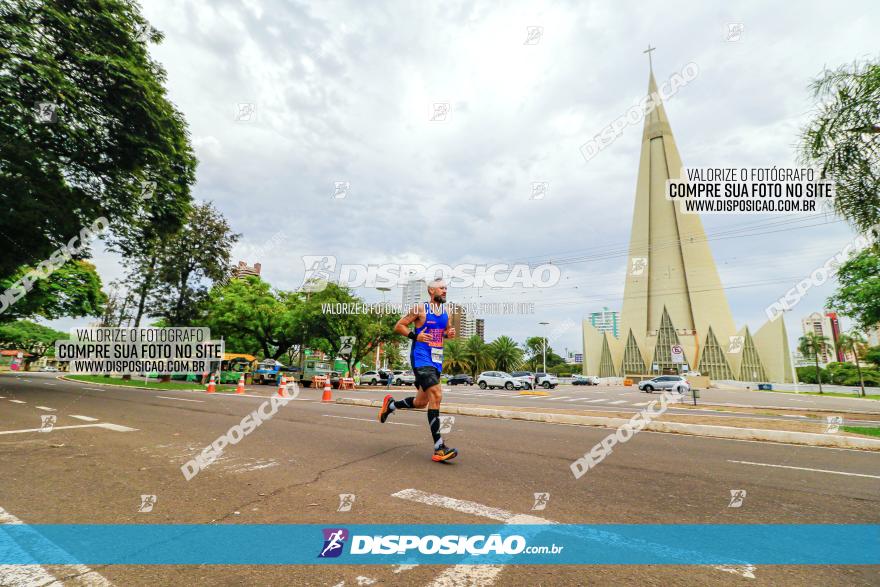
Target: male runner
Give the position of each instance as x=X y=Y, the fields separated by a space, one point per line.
x=431 y=326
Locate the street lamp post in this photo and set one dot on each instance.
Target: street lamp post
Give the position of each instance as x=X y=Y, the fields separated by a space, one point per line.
x=545 y=346
x=384 y=291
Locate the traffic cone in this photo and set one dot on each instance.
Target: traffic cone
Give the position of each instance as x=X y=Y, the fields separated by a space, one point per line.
x=212 y=387
x=282 y=383
x=240 y=388
x=327 y=397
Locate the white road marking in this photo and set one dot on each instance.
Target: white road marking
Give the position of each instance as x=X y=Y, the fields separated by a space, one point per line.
x=484 y=575
x=618 y=402
x=369 y=420
x=95 y=388
x=45 y=409
x=461 y=575
x=180 y=399
x=2 y=397
x=806 y=469
x=106 y=426
x=50 y=384
x=28 y=575
x=553 y=399
x=85 y=418
x=17 y=401
x=642 y=404
x=592 y=401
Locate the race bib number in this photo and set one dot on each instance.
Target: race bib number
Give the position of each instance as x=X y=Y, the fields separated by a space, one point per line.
x=436 y=355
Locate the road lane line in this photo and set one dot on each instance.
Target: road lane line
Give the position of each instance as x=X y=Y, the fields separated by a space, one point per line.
x=618 y=402
x=180 y=399
x=17 y=401
x=85 y=418
x=554 y=399
x=592 y=401
x=27 y=575
x=45 y=409
x=106 y=426
x=368 y=420
x=642 y=404
x=806 y=469
x=483 y=575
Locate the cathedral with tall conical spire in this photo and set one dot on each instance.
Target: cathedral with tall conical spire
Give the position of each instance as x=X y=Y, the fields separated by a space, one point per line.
x=673 y=294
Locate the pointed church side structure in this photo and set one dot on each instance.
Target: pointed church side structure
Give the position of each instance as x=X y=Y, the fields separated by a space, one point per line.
x=673 y=294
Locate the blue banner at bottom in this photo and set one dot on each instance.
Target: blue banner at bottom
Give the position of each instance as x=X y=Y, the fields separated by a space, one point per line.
x=374 y=544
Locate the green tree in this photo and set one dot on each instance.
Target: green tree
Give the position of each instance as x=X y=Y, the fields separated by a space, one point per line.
x=843 y=140
x=858 y=293
x=201 y=249
x=252 y=317
x=535 y=347
x=35 y=339
x=810 y=345
x=852 y=341
x=85 y=121
x=477 y=355
x=505 y=353
x=325 y=330
x=72 y=290
x=454 y=359
x=872 y=355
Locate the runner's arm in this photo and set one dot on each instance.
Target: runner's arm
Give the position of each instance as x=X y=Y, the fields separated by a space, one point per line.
x=402 y=326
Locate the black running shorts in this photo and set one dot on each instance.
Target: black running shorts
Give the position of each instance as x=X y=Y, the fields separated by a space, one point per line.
x=426 y=377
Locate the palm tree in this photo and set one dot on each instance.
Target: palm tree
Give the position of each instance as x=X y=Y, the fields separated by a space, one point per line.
x=505 y=353
x=843 y=139
x=850 y=341
x=476 y=353
x=454 y=359
x=810 y=345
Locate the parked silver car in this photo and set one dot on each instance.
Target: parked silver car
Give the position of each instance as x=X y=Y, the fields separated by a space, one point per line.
x=664 y=382
x=498 y=379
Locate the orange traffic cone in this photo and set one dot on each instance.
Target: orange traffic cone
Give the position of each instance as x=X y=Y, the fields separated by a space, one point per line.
x=327 y=397
x=282 y=383
x=212 y=387
x=240 y=388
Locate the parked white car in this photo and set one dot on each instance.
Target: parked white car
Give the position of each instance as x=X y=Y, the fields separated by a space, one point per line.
x=404 y=378
x=546 y=380
x=498 y=379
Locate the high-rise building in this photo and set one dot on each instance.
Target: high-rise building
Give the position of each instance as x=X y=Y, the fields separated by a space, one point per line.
x=414 y=291
x=606 y=321
x=824 y=325
x=243 y=270
x=480 y=327
x=464 y=323
x=673 y=297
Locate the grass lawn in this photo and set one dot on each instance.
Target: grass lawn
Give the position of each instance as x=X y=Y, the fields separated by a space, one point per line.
x=862 y=430
x=152 y=383
x=827 y=393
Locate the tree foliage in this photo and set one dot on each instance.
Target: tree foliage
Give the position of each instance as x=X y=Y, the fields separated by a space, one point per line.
x=201 y=249
x=858 y=293
x=843 y=140
x=73 y=290
x=85 y=121
x=253 y=318
x=36 y=339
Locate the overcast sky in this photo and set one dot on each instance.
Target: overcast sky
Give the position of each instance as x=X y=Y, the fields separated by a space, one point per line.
x=345 y=92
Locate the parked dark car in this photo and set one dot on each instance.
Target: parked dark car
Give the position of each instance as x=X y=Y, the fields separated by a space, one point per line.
x=461 y=379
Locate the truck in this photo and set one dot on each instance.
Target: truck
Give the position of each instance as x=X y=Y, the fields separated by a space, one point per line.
x=318 y=368
x=269 y=371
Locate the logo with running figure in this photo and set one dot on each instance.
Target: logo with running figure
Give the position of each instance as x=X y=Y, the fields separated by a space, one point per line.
x=334 y=541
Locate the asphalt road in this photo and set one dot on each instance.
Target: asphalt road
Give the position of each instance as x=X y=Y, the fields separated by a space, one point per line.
x=293 y=468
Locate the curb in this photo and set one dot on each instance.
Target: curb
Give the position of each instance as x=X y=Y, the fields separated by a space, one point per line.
x=730 y=432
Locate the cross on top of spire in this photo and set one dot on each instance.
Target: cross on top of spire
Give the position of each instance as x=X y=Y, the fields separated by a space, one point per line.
x=648 y=51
